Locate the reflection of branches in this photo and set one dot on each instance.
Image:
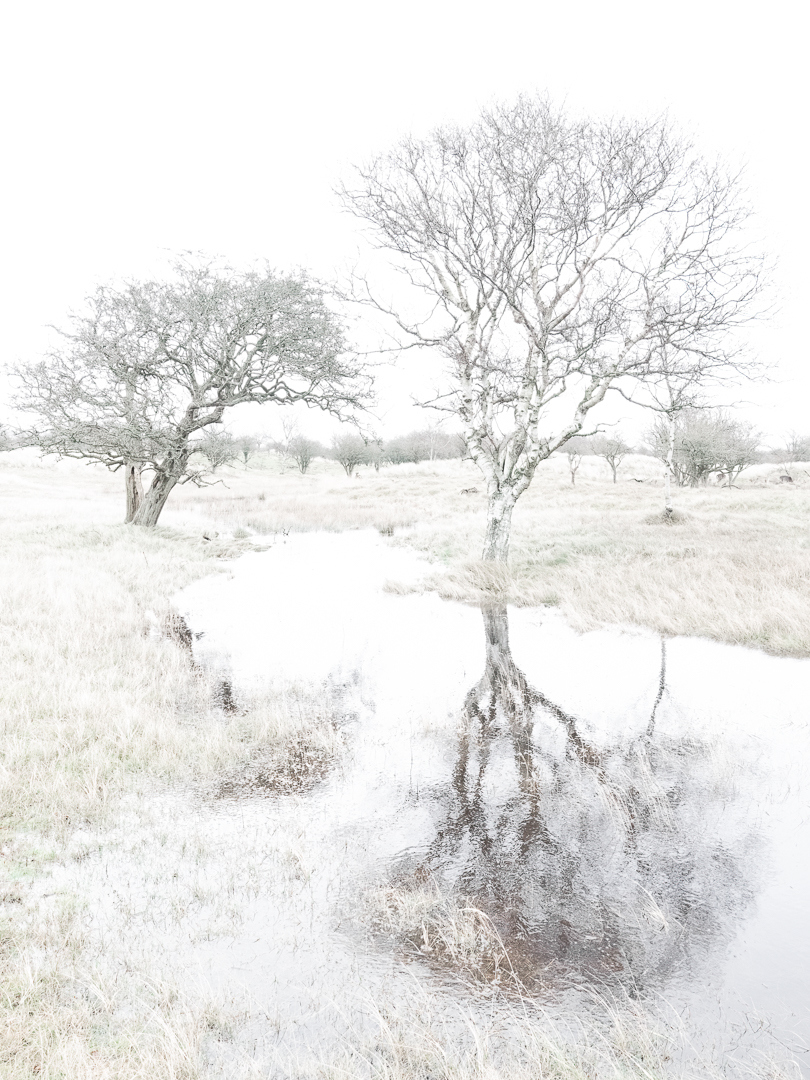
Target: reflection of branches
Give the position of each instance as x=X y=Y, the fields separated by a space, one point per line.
x=662 y=682
x=593 y=861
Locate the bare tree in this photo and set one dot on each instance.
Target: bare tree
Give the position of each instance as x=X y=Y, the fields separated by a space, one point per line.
x=350 y=451
x=217 y=447
x=673 y=390
x=613 y=449
x=247 y=446
x=574 y=450
x=375 y=454
x=553 y=257
x=738 y=449
x=702 y=442
x=302 y=450
x=289 y=433
x=150 y=365
x=796 y=448
x=429 y=444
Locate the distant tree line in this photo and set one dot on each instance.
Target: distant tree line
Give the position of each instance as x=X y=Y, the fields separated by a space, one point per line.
x=349 y=449
x=428 y=444
x=698 y=444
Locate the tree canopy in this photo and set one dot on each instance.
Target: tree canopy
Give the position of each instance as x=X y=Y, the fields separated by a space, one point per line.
x=150 y=366
x=554 y=258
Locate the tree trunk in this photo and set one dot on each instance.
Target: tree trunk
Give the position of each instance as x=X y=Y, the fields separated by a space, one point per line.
x=614 y=469
x=134 y=490
x=154 y=500
x=670 y=466
x=499 y=526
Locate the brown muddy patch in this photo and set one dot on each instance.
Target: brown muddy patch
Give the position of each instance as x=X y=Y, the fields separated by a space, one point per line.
x=300 y=753
x=293 y=769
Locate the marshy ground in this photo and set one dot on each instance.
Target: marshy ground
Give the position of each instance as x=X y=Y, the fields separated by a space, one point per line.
x=135 y=825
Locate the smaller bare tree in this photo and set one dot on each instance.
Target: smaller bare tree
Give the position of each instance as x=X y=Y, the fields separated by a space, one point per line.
x=218 y=448
x=247 y=446
x=375 y=454
x=702 y=442
x=574 y=450
x=152 y=365
x=350 y=451
x=796 y=449
x=613 y=449
x=302 y=450
x=738 y=450
x=289 y=433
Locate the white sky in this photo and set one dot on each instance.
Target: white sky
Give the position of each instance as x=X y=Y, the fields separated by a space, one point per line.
x=132 y=130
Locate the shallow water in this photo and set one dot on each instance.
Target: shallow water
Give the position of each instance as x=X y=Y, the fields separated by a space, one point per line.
x=626 y=817
x=631 y=815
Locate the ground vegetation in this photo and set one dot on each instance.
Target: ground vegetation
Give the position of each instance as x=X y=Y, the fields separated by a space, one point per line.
x=732 y=566
x=105 y=720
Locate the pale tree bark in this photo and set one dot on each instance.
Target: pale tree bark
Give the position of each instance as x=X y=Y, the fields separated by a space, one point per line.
x=499 y=525
x=154 y=500
x=174 y=468
x=669 y=469
x=133 y=486
x=574 y=462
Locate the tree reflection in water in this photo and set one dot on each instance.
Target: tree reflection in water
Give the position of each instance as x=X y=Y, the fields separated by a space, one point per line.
x=614 y=865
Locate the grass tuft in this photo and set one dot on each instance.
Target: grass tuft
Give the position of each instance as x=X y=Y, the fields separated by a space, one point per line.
x=442 y=927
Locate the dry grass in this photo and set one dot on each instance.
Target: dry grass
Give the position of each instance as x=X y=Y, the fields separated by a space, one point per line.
x=444 y=927
x=417 y=1042
x=96 y=705
x=100 y=695
x=733 y=566
x=420 y=1040
x=65 y=1023
x=91 y=700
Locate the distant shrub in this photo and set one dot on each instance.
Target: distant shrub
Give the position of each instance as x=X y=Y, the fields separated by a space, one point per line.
x=428 y=444
x=706 y=441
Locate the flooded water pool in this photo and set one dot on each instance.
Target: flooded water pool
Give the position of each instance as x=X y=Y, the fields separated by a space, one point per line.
x=518 y=812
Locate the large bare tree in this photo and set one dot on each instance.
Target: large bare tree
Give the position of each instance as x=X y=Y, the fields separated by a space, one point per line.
x=149 y=367
x=549 y=260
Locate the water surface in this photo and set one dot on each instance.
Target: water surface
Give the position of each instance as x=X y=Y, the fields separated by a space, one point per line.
x=629 y=814
x=517 y=816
